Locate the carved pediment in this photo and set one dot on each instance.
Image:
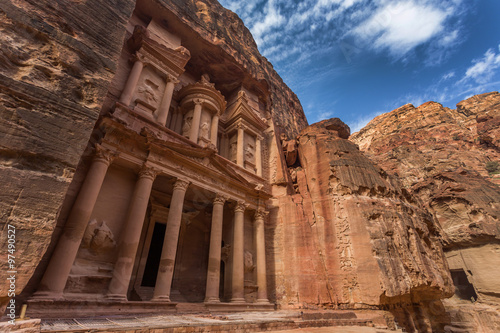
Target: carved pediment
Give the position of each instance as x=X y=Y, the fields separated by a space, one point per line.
x=241 y=110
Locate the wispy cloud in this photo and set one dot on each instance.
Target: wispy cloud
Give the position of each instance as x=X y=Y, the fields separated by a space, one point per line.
x=483 y=69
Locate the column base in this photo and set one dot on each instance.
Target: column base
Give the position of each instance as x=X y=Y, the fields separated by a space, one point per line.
x=48 y=295
x=161 y=299
x=262 y=301
x=237 y=300
x=116 y=298
x=212 y=300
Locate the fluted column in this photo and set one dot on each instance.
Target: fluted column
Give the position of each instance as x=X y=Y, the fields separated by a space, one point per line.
x=57 y=272
x=166 y=100
x=169 y=251
x=132 y=80
x=238 y=277
x=240 y=145
x=214 y=129
x=258 y=155
x=129 y=240
x=195 y=126
x=260 y=250
x=214 y=254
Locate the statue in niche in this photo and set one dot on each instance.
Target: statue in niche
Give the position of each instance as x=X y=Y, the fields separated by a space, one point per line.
x=98 y=238
x=248 y=262
x=205 y=80
x=149 y=90
x=188 y=121
x=249 y=152
x=289 y=149
x=204 y=128
x=233 y=147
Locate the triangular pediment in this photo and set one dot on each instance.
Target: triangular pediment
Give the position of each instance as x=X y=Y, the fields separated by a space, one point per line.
x=241 y=110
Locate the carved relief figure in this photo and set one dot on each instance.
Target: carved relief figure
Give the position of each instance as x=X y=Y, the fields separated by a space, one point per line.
x=249 y=265
x=233 y=147
x=249 y=152
x=186 y=127
x=204 y=129
x=149 y=91
x=98 y=238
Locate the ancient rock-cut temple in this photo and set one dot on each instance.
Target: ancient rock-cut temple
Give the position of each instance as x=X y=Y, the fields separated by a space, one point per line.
x=153 y=158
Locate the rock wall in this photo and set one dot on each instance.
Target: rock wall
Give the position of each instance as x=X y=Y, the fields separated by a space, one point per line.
x=56 y=62
x=352 y=237
x=449 y=160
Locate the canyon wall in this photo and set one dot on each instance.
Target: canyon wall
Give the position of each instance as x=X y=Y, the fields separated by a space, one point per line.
x=449 y=160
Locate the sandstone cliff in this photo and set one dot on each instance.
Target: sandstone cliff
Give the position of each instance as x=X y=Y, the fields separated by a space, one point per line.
x=449 y=160
x=441 y=155
x=352 y=236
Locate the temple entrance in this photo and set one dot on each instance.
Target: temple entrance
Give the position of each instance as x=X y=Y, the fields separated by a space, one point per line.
x=154 y=255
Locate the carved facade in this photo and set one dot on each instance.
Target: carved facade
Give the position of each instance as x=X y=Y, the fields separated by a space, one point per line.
x=173 y=203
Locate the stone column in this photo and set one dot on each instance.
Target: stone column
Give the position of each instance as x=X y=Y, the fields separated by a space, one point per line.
x=214 y=129
x=169 y=251
x=129 y=240
x=132 y=80
x=238 y=277
x=214 y=254
x=195 y=126
x=178 y=123
x=258 y=155
x=166 y=100
x=260 y=251
x=57 y=272
x=240 y=145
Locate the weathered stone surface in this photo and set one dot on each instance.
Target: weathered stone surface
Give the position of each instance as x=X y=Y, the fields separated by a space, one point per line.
x=56 y=62
x=351 y=236
x=447 y=158
x=441 y=156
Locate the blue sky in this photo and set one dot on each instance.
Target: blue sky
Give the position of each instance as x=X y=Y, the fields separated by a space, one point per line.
x=356 y=59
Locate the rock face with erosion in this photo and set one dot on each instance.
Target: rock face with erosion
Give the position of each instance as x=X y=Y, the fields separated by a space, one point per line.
x=353 y=237
x=449 y=160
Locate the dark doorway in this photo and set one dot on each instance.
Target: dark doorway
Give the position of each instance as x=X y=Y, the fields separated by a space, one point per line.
x=221 y=280
x=154 y=256
x=463 y=288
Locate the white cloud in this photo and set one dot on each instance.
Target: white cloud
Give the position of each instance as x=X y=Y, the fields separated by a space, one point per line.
x=401 y=26
x=484 y=68
x=362 y=121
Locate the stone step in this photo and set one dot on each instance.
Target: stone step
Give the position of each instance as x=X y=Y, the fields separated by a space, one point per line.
x=191 y=308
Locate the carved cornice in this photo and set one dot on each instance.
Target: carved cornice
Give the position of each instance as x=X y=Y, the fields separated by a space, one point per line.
x=148 y=172
x=181 y=184
x=220 y=199
x=240 y=206
x=104 y=155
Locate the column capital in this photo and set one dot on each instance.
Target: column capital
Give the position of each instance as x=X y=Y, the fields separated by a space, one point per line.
x=240 y=206
x=260 y=214
x=259 y=137
x=241 y=126
x=148 y=171
x=198 y=101
x=136 y=57
x=171 y=78
x=104 y=155
x=181 y=184
x=220 y=199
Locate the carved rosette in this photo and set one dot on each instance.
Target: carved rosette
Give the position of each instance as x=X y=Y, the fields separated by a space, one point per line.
x=181 y=184
x=148 y=172
x=104 y=155
x=220 y=199
x=241 y=206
